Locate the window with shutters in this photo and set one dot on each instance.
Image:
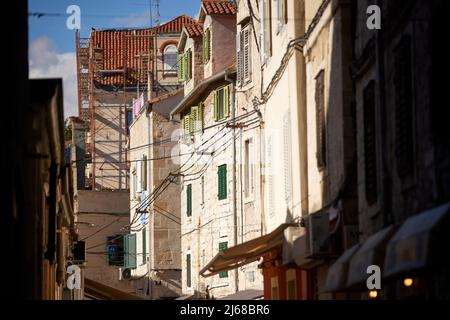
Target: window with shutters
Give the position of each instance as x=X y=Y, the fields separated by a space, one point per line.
x=130 y=250
x=206 y=46
x=404 y=139
x=170 y=59
x=244 y=56
x=223 y=246
x=115 y=250
x=320 y=120
x=370 y=148
x=249 y=167
x=189 y=200
x=144 y=173
x=287 y=158
x=187 y=127
x=222 y=182
x=181 y=68
x=188 y=65
x=196 y=120
x=267 y=30
x=188 y=270
x=222 y=103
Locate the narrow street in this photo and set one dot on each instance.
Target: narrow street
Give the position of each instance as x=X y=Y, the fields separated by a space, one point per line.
x=251 y=150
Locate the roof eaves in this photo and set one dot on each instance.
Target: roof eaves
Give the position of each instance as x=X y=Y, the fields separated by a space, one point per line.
x=195 y=94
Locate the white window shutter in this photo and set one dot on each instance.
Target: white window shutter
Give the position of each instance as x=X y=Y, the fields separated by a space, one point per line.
x=287 y=158
x=239 y=58
x=247 y=55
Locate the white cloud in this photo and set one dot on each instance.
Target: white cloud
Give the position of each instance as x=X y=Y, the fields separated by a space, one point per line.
x=141 y=19
x=46 y=62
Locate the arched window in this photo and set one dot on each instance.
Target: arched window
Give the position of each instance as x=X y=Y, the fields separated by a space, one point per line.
x=170 y=58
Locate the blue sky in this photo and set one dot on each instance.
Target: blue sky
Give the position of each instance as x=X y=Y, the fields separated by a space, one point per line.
x=52 y=45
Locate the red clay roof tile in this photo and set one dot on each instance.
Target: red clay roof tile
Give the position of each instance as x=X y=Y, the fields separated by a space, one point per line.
x=219 y=6
x=194 y=29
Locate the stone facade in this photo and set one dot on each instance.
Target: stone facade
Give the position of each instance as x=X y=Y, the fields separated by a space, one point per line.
x=157 y=229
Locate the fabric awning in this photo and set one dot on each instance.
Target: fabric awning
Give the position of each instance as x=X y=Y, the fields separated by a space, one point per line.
x=371 y=252
x=420 y=242
x=250 y=294
x=99 y=291
x=245 y=253
x=338 y=272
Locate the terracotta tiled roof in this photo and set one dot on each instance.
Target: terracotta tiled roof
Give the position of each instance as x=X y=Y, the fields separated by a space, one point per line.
x=109 y=49
x=219 y=6
x=109 y=46
x=194 y=29
x=175 y=25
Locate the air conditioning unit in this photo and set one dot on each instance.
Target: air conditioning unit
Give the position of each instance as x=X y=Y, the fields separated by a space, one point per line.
x=311 y=248
x=290 y=235
x=124 y=273
x=318 y=225
x=79 y=252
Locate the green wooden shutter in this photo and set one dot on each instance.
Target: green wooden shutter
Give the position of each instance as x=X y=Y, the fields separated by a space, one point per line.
x=226 y=101
x=206 y=46
x=189 y=200
x=205 y=58
x=180 y=67
x=183 y=67
x=194 y=119
x=215 y=106
x=183 y=120
x=130 y=251
x=223 y=246
x=222 y=182
x=189 y=64
x=188 y=270
x=187 y=124
x=200 y=116
x=219 y=183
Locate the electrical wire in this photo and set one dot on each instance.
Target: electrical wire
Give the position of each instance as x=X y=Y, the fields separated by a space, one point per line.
x=156 y=193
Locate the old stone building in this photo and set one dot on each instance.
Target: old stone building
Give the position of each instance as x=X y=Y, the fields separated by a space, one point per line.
x=207 y=166
x=119 y=70
x=402 y=150
x=155 y=200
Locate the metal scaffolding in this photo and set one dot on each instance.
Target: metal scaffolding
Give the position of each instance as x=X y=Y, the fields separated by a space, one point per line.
x=137 y=54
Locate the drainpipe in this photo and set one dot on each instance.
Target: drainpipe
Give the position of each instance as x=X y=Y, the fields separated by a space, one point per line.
x=241 y=184
x=235 y=227
x=150 y=212
x=302 y=132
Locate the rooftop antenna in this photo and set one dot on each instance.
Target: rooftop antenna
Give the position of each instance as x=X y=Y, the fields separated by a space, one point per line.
x=157 y=15
x=150 y=4
x=154 y=13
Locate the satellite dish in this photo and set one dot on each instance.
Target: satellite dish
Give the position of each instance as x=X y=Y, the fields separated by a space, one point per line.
x=126 y=273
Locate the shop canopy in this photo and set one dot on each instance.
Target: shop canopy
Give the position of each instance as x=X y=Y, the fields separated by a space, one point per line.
x=371 y=252
x=245 y=253
x=421 y=242
x=338 y=272
x=99 y=291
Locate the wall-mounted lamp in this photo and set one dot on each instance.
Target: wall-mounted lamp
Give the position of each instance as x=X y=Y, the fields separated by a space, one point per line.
x=408 y=282
x=373 y=294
